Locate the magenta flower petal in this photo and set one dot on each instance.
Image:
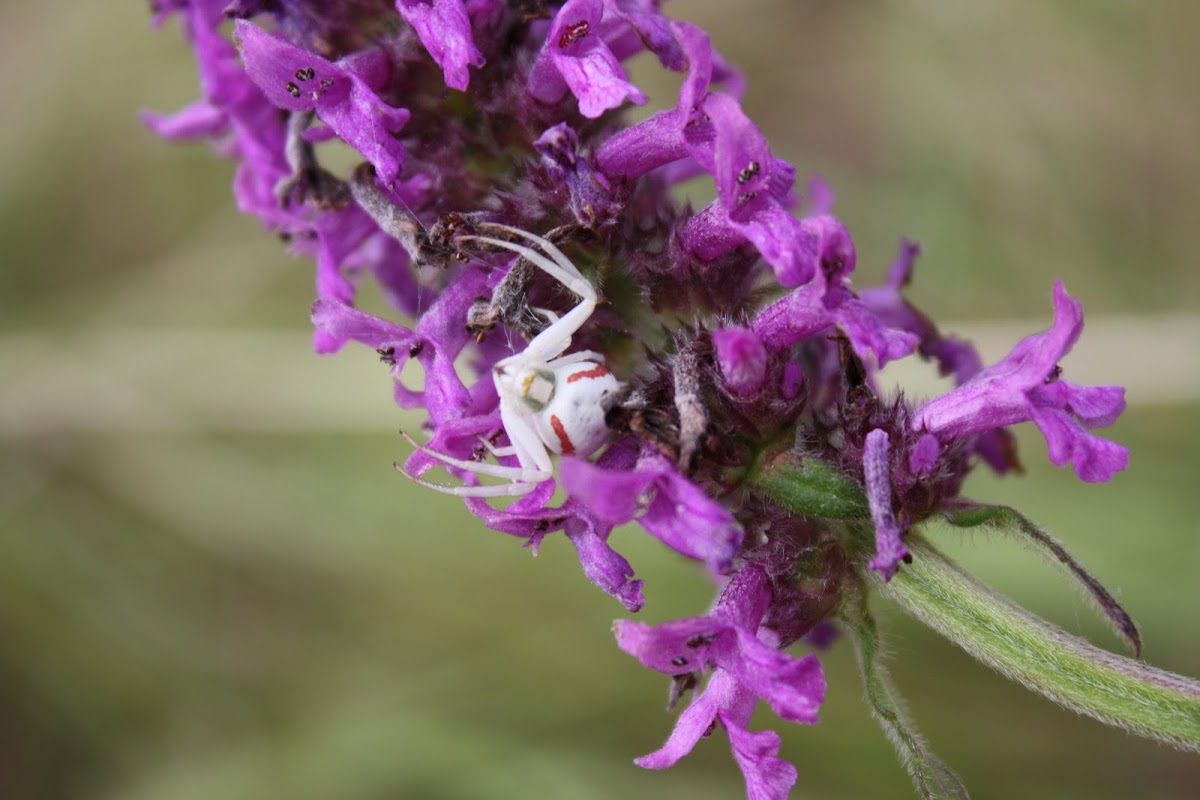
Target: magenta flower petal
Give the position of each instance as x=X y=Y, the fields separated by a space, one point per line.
x=604 y=566
x=575 y=57
x=676 y=647
x=200 y=120
x=684 y=518
x=730 y=639
x=768 y=777
x=1095 y=459
x=346 y=322
x=792 y=687
x=751 y=183
x=295 y=79
x=795 y=316
x=670 y=507
x=1025 y=386
x=445 y=29
x=869 y=335
x=742 y=359
x=663 y=138
x=924 y=455
x=694 y=723
x=612 y=496
x=1093 y=406
x=747 y=667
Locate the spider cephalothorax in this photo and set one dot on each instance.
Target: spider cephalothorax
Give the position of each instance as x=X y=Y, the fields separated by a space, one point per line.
x=549 y=402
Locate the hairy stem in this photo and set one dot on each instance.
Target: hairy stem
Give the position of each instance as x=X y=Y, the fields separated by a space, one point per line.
x=931 y=777
x=1074 y=673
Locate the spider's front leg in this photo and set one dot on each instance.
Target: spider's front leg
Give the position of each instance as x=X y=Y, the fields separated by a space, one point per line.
x=531 y=452
x=556 y=337
x=525 y=478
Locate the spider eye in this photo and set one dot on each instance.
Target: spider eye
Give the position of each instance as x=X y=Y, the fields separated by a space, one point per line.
x=537 y=388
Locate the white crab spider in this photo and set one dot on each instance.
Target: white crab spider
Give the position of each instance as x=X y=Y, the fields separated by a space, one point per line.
x=549 y=402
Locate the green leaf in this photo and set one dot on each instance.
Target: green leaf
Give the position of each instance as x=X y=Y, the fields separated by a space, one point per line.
x=932 y=778
x=1009 y=520
x=810 y=487
x=1076 y=674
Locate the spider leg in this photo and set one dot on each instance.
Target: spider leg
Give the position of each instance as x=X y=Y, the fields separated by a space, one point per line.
x=529 y=447
x=500 y=490
x=569 y=278
x=519 y=474
x=497 y=451
x=571 y=358
x=557 y=338
x=546 y=313
x=549 y=247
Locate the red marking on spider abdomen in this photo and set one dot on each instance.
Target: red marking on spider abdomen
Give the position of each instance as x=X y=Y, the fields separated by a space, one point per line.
x=568 y=447
x=595 y=372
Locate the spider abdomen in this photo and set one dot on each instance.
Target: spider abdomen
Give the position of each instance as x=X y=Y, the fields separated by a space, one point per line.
x=572 y=423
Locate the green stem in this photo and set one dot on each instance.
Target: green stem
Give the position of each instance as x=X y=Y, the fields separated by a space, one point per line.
x=932 y=778
x=1074 y=673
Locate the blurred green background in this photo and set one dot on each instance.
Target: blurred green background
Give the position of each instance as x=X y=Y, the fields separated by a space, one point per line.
x=213 y=585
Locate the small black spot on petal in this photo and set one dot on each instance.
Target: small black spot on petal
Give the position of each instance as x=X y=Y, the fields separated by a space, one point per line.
x=749 y=172
x=746 y=197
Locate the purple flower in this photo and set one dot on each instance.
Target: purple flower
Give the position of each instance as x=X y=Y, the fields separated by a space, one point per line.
x=436 y=342
x=747 y=667
x=669 y=506
x=222 y=82
x=742 y=359
x=953 y=356
x=529 y=518
x=924 y=455
x=1026 y=386
x=576 y=58
x=588 y=193
x=232 y=110
x=752 y=192
x=753 y=187
x=444 y=27
x=336 y=238
x=664 y=137
x=889 y=551
x=342 y=94
x=827 y=301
